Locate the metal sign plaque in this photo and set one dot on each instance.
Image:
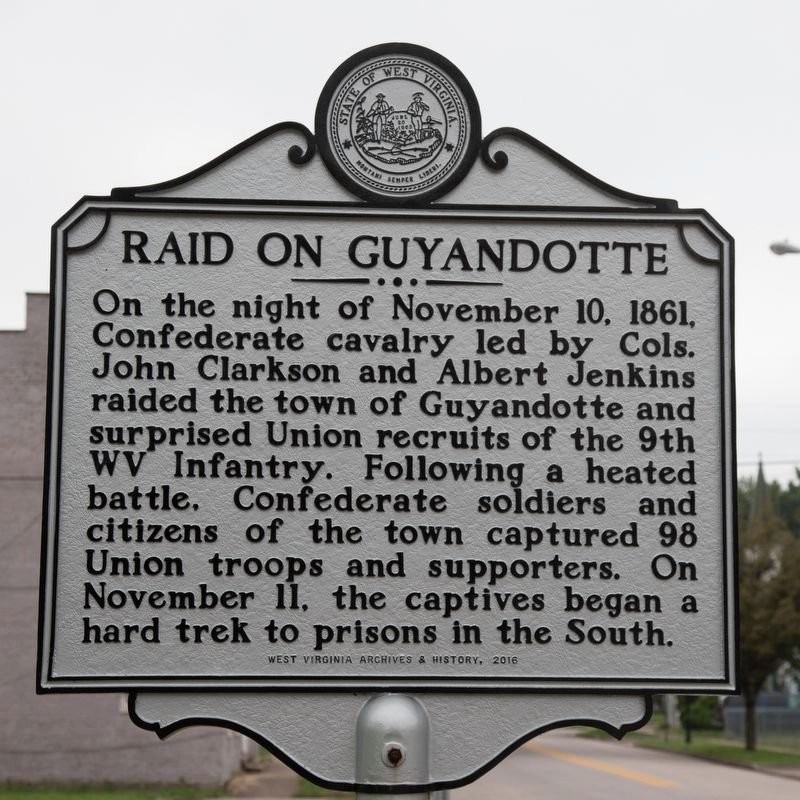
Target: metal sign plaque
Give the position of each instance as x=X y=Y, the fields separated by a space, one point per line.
x=309 y=432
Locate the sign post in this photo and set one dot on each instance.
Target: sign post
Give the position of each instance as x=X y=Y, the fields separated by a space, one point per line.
x=387 y=422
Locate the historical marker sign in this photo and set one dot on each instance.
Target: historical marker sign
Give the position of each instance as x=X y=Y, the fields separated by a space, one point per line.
x=480 y=445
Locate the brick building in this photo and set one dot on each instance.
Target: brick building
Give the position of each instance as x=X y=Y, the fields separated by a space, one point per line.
x=79 y=737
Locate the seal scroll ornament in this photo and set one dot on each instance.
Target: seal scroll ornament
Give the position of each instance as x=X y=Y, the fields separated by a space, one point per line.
x=398 y=124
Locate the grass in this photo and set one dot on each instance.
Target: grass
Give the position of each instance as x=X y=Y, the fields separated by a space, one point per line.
x=708 y=744
x=61 y=792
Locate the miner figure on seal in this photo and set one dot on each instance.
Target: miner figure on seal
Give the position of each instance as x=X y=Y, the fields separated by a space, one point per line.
x=417 y=108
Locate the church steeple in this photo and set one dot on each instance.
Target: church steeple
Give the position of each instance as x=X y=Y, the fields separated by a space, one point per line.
x=762 y=505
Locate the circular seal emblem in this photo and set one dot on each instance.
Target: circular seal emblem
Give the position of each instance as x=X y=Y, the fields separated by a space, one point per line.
x=398 y=123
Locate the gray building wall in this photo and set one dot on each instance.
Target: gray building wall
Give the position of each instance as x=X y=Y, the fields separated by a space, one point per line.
x=80 y=737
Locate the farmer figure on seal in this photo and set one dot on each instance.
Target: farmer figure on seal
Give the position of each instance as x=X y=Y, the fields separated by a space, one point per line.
x=378 y=112
x=417 y=109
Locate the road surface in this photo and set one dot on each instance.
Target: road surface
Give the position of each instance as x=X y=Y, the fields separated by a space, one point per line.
x=562 y=766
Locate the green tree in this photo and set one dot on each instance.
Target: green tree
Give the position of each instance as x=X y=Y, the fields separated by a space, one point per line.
x=788 y=504
x=698 y=712
x=769 y=592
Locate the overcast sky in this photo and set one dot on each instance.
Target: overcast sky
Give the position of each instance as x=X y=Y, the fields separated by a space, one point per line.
x=699 y=101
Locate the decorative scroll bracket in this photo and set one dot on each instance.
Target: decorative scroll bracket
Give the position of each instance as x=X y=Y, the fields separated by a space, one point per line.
x=304 y=729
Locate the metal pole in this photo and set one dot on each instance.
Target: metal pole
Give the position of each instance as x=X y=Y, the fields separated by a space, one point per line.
x=392 y=746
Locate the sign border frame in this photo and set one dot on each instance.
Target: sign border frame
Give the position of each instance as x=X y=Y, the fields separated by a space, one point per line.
x=47 y=682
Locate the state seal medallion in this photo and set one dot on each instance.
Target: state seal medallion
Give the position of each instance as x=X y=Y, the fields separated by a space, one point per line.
x=398 y=124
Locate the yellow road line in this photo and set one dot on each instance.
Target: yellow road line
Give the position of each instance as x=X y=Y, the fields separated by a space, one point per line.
x=603 y=766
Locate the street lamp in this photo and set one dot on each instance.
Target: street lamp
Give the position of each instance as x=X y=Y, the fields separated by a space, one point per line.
x=784 y=247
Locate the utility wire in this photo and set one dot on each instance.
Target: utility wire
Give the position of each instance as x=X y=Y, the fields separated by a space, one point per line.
x=789 y=462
